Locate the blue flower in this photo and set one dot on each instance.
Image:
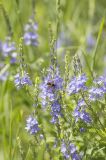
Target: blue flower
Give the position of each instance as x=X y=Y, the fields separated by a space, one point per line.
x=64 y=150
x=55 y=111
x=49 y=87
x=101 y=82
x=21 y=81
x=77 y=84
x=30 y=35
x=75 y=156
x=80 y=112
x=25 y=80
x=81 y=102
x=32 y=125
x=69 y=151
x=9 y=50
x=47 y=90
x=8 y=47
x=96 y=93
x=73 y=152
x=85 y=116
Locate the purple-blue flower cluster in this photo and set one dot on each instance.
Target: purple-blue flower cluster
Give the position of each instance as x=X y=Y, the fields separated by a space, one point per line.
x=8 y=55
x=23 y=80
x=55 y=111
x=47 y=90
x=8 y=49
x=101 y=82
x=97 y=92
x=30 y=33
x=64 y=150
x=32 y=125
x=69 y=151
x=77 y=84
x=80 y=112
x=50 y=87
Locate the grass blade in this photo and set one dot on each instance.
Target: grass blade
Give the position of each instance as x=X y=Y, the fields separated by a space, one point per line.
x=97 y=42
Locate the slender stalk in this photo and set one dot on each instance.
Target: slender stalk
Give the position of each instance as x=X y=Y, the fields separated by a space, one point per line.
x=15 y=146
x=97 y=43
x=8 y=24
x=87 y=63
x=10 y=134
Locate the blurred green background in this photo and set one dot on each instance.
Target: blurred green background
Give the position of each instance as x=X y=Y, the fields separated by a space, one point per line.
x=78 y=21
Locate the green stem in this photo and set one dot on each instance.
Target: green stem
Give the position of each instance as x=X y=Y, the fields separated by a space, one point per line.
x=97 y=42
x=87 y=63
x=10 y=135
x=6 y=17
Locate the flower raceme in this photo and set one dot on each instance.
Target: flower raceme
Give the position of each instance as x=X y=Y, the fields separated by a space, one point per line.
x=21 y=81
x=64 y=150
x=49 y=88
x=101 y=82
x=77 y=84
x=69 y=151
x=97 y=92
x=30 y=33
x=55 y=111
x=8 y=55
x=32 y=125
x=80 y=112
x=50 y=94
x=8 y=49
